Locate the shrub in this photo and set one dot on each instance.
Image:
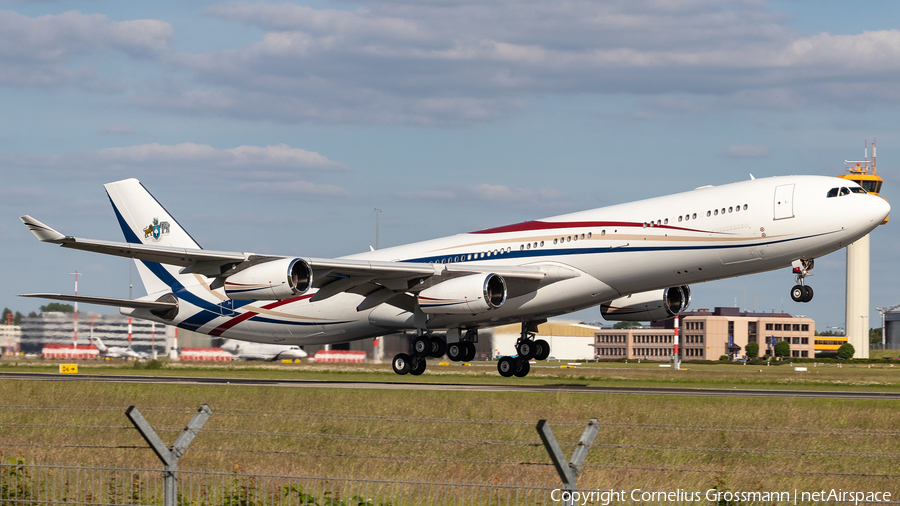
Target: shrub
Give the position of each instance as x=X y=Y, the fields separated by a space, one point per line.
x=846 y=351
x=782 y=349
x=752 y=350
x=724 y=358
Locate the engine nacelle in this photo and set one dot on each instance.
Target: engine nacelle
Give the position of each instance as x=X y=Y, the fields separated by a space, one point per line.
x=471 y=294
x=275 y=280
x=648 y=306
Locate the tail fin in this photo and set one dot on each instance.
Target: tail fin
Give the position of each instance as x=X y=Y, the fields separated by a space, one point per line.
x=145 y=221
x=99 y=344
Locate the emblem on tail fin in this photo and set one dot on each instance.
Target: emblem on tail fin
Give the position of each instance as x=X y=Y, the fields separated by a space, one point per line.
x=156 y=230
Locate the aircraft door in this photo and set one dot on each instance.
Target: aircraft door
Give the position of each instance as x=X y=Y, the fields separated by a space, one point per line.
x=784 y=201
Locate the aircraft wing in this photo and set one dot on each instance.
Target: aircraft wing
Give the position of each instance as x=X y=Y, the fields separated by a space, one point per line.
x=159 y=305
x=161 y=254
x=337 y=274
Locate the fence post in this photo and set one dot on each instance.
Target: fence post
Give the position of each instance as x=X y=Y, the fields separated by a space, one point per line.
x=568 y=471
x=169 y=457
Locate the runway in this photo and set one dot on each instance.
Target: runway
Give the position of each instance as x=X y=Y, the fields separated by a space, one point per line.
x=456 y=387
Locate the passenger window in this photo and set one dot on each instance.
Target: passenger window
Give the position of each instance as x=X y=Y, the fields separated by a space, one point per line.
x=679 y=218
x=708 y=213
x=555 y=241
x=717 y=212
x=694 y=216
x=729 y=209
x=745 y=207
x=832 y=193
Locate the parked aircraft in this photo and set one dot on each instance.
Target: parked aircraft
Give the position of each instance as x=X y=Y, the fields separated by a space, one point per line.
x=635 y=260
x=246 y=350
x=115 y=351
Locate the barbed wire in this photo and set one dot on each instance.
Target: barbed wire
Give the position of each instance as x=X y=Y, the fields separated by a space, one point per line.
x=483 y=421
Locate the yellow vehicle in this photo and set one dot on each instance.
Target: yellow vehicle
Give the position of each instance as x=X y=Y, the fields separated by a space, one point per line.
x=859 y=174
x=829 y=344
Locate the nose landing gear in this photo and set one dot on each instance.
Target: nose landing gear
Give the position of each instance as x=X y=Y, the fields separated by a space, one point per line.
x=801 y=292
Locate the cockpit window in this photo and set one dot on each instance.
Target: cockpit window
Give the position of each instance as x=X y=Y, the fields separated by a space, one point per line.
x=845 y=191
x=832 y=193
x=856 y=189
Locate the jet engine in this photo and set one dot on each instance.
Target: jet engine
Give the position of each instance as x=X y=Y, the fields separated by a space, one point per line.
x=654 y=305
x=275 y=280
x=471 y=294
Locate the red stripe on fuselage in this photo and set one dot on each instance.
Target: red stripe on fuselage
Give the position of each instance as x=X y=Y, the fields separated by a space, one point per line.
x=527 y=226
x=218 y=331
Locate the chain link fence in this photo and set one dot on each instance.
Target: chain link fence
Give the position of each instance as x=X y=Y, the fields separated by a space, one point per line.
x=38 y=484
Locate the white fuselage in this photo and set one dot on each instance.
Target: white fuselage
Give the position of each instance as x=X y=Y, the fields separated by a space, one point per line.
x=691 y=237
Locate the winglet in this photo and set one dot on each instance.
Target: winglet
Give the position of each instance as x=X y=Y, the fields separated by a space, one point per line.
x=41 y=231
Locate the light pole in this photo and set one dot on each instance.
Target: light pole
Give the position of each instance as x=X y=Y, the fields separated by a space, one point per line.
x=75 y=335
x=377 y=212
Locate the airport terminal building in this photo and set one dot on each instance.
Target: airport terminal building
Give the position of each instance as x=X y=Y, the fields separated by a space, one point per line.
x=707 y=335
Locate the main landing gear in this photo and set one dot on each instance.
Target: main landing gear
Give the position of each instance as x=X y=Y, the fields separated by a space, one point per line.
x=801 y=292
x=527 y=348
x=424 y=345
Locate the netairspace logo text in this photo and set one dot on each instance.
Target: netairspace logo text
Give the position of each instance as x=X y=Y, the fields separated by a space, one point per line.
x=607 y=497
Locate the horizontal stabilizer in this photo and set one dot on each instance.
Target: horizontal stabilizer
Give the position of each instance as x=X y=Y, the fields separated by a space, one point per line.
x=106 y=301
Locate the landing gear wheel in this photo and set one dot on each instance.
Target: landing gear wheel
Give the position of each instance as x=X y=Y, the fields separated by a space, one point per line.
x=541 y=349
x=808 y=293
x=522 y=367
x=798 y=293
x=457 y=351
x=470 y=351
x=421 y=346
x=506 y=366
x=401 y=363
x=525 y=349
x=438 y=347
x=418 y=366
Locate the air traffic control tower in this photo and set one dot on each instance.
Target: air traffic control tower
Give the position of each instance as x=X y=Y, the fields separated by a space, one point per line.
x=857 y=313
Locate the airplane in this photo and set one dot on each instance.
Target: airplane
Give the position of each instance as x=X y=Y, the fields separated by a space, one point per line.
x=115 y=351
x=635 y=260
x=245 y=350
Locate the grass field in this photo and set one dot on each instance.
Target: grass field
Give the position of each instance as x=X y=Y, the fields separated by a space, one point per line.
x=831 y=376
x=644 y=441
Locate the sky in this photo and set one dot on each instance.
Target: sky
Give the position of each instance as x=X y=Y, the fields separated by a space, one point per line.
x=278 y=128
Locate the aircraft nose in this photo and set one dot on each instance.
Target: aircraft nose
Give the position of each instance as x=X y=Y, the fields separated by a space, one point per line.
x=880 y=208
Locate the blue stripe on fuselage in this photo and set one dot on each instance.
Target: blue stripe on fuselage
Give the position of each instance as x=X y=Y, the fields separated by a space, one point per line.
x=209 y=311
x=534 y=253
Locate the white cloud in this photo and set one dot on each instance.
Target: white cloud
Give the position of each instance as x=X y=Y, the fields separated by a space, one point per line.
x=452 y=63
x=43 y=50
x=257 y=162
x=463 y=62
